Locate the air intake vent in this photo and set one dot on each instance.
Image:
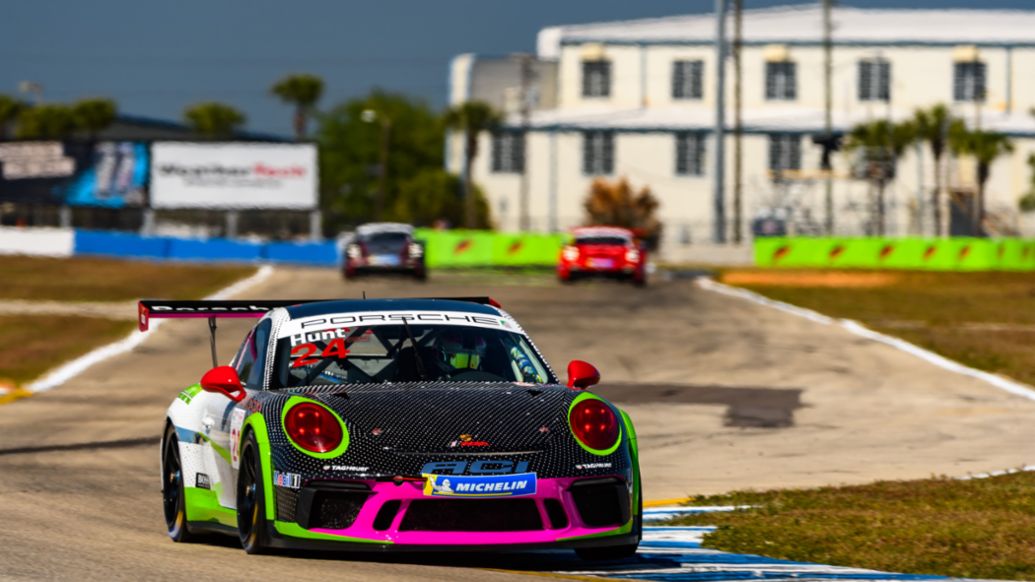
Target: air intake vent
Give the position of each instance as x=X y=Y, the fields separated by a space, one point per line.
x=601 y=502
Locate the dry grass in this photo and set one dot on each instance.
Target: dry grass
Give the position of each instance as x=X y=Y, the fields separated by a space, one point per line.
x=31 y=345
x=975 y=318
x=95 y=279
x=976 y=529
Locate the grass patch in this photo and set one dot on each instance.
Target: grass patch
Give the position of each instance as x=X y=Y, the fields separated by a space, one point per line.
x=976 y=529
x=96 y=279
x=31 y=345
x=980 y=319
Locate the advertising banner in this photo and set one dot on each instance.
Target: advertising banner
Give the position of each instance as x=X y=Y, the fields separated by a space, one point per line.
x=77 y=173
x=233 y=175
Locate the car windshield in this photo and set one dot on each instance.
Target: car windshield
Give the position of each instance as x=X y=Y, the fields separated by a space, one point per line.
x=601 y=240
x=355 y=354
x=385 y=242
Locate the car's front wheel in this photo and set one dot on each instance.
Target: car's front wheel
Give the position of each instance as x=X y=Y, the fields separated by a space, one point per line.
x=174 y=502
x=615 y=552
x=251 y=504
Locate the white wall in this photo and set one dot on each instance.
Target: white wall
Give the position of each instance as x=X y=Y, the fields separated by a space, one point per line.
x=43 y=242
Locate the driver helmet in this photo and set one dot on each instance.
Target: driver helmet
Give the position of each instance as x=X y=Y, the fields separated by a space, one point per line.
x=462 y=353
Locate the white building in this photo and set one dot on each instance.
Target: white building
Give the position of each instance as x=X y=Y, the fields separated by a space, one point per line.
x=636 y=99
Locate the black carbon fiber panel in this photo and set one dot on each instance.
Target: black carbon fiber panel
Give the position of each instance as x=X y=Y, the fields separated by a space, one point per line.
x=396 y=429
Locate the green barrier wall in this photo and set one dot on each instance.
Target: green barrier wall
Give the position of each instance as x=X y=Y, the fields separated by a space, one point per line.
x=477 y=248
x=949 y=254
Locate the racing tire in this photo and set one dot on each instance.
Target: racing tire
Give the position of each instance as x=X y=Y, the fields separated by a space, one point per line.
x=639 y=281
x=421 y=275
x=174 y=502
x=252 y=527
x=615 y=552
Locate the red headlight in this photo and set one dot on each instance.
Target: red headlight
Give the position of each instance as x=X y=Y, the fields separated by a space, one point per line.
x=313 y=427
x=594 y=424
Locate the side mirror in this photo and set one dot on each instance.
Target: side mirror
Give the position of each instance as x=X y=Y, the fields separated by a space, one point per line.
x=223 y=380
x=582 y=375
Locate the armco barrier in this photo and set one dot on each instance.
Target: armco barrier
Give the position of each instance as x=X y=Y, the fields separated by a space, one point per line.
x=468 y=248
x=949 y=254
x=41 y=242
x=443 y=248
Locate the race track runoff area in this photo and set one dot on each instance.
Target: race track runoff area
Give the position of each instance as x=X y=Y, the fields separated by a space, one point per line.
x=726 y=394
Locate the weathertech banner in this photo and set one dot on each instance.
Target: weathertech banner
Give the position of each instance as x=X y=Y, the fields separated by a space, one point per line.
x=233 y=175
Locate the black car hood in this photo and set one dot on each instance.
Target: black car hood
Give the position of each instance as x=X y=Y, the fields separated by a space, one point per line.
x=450 y=417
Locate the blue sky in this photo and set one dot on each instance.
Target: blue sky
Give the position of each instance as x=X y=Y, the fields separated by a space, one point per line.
x=155 y=58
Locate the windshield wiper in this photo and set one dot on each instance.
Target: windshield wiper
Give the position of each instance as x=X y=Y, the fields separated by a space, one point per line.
x=416 y=351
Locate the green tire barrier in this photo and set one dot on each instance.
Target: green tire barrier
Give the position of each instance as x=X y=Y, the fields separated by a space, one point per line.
x=478 y=248
x=935 y=254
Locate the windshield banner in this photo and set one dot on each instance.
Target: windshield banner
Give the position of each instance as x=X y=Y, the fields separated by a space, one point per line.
x=323 y=327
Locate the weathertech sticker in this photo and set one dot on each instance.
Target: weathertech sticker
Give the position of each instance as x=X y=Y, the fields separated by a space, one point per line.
x=479 y=485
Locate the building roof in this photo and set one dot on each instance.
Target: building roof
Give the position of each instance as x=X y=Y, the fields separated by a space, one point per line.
x=785 y=118
x=803 y=25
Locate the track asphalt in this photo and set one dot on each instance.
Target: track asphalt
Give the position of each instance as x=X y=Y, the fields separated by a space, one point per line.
x=726 y=394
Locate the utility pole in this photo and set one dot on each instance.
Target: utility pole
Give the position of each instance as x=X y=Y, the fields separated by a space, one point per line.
x=738 y=106
x=719 y=201
x=828 y=105
x=526 y=114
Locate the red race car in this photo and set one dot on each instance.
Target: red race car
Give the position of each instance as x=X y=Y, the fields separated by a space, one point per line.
x=603 y=251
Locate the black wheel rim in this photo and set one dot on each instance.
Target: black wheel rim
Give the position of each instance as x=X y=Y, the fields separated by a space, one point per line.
x=172 y=486
x=247 y=505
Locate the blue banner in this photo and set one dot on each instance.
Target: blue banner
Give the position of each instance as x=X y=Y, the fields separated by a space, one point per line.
x=479 y=485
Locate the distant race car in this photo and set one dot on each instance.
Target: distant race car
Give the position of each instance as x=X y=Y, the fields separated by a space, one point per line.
x=395 y=424
x=603 y=251
x=384 y=247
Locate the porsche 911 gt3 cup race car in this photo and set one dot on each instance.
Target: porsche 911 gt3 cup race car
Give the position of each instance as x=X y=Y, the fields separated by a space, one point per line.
x=406 y=424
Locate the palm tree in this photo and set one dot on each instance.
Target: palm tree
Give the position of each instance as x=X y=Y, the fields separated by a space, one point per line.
x=985 y=147
x=472 y=118
x=302 y=91
x=52 y=121
x=214 y=120
x=882 y=143
x=94 y=115
x=932 y=126
x=9 y=110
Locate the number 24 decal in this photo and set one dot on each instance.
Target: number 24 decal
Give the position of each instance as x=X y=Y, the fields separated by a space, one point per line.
x=303 y=353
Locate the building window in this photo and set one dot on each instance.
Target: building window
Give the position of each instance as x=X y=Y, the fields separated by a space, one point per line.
x=781 y=81
x=508 y=151
x=596 y=78
x=874 y=80
x=784 y=152
x=687 y=79
x=598 y=153
x=969 y=81
x=690 y=153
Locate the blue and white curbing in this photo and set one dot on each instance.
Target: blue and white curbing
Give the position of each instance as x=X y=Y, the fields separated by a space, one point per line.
x=674 y=553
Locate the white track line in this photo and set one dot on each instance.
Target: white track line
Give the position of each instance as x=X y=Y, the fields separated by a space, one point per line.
x=71 y=369
x=856 y=328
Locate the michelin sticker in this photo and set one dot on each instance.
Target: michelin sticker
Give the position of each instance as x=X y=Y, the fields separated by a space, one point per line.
x=516 y=485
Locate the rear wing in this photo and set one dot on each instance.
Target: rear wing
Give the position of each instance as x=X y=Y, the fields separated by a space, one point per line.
x=149 y=309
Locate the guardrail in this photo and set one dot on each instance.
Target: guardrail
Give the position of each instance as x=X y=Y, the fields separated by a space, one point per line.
x=445 y=249
x=936 y=254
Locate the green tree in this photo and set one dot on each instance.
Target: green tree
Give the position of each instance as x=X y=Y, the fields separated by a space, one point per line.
x=882 y=144
x=350 y=153
x=214 y=120
x=94 y=115
x=432 y=195
x=932 y=127
x=471 y=118
x=303 y=91
x=52 y=121
x=985 y=147
x=9 y=110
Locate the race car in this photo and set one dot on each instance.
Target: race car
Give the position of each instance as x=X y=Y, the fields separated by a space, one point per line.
x=603 y=251
x=384 y=247
x=395 y=424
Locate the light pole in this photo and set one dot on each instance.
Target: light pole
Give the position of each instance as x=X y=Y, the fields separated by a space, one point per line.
x=371 y=116
x=718 y=183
